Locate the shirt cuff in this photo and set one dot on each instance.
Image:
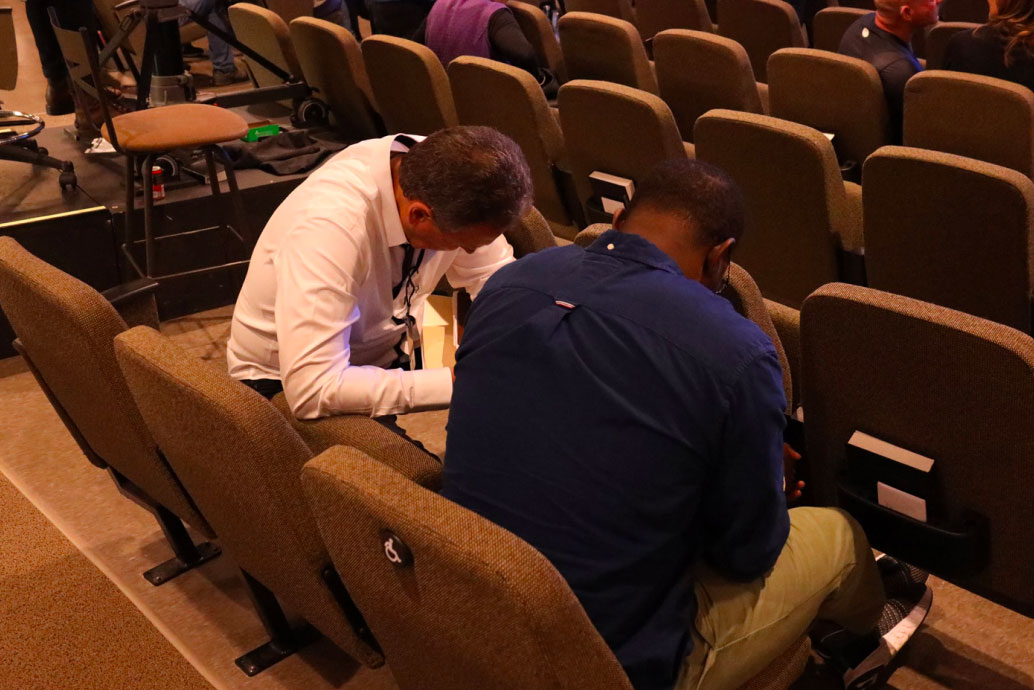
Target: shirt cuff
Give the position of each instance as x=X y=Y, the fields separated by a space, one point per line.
x=432 y=389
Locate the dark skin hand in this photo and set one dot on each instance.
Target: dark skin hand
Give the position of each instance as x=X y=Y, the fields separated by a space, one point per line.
x=793 y=488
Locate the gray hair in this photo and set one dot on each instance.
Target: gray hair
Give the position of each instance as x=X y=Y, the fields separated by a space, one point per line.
x=468 y=176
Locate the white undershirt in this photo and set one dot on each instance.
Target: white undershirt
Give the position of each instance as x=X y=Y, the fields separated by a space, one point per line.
x=315 y=310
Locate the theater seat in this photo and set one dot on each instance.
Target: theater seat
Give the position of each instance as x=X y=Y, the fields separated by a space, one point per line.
x=699 y=71
x=950 y=230
x=616 y=130
x=831 y=23
x=937 y=38
x=618 y=9
x=333 y=64
x=990 y=119
x=65 y=330
x=660 y=15
x=536 y=28
x=761 y=27
x=834 y=94
x=952 y=387
x=268 y=34
x=458 y=602
x=605 y=49
x=803 y=220
x=409 y=84
x=240 y=458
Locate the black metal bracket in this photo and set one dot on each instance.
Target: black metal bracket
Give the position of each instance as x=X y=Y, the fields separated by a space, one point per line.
x=283 y=639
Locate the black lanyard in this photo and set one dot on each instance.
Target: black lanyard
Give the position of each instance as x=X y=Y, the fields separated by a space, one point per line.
x=409 y=269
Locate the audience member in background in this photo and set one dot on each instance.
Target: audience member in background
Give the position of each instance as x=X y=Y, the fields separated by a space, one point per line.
x=338 y=280
x=400 y=18
x=622 y=418
x=224 y=67
x=482 y=28
x=71 y=14
x=1002 y=48
x=884 y=39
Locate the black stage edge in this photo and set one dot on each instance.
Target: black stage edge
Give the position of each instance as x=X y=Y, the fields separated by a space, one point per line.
x=80 y=232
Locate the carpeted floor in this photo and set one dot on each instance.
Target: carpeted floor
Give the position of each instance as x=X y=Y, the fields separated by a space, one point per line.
x=66 y=625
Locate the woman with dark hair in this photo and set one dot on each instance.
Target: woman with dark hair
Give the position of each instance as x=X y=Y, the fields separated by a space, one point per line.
x=1002 y=48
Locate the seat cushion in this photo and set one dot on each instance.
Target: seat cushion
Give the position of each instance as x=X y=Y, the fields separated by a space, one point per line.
x=181 y=126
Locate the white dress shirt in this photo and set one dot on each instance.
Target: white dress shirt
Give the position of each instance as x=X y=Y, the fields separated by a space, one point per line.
x=316 y=307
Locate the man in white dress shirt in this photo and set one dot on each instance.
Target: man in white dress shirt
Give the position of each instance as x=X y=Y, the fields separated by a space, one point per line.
x=339 y=277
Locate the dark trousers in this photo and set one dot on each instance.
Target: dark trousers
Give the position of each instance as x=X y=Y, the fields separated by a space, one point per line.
x=268 y=388
x=71 y=14
x=397 y=17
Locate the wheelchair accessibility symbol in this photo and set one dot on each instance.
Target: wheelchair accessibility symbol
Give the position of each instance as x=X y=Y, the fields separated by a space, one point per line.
x=395 y=550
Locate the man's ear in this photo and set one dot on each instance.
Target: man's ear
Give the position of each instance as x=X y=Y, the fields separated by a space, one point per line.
x=619 y=218
x=419 y=215
x=720 y=251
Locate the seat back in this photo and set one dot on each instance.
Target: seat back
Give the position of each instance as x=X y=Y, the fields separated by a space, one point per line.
x=832 y=93
x=410 y=85
x=660 y=15
x=605 y=49
x=509 y=99
x=972 y=11
x=8 y=51
x=454 y=600
x=597 y=119
x=948 y=386
x=746 y=298
x=924 y=213
x=618 y=9
x=536 y=28
x=937 y=41
x=66 y=329
x=788 y=245
x=333 y=65
x=699 y=71
x=268 y=34
x=241 y=461
x=289 y=10
x=830 y=24
x=761 y=27
x=532 y=234
x=991 y=119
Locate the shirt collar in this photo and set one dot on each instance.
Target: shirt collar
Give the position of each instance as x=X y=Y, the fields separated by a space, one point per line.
x=633 y=248
x=381 y=163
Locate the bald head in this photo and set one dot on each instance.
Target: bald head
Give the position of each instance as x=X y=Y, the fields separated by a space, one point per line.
x=905 y=17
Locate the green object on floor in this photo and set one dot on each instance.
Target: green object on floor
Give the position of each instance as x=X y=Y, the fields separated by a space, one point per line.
x=261 y=132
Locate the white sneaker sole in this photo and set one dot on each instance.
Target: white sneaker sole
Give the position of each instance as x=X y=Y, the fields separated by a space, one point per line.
x=866 y=673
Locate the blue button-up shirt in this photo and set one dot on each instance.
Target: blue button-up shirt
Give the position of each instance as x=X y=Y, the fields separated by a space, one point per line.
x=626 y=422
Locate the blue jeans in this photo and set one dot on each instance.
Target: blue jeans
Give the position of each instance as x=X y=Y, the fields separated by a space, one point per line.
x=215 y=12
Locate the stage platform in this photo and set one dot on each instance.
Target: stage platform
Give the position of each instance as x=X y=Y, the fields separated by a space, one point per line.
x=80 y=231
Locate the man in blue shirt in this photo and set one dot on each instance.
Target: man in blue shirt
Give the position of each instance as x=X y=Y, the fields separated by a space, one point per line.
x=614 y=412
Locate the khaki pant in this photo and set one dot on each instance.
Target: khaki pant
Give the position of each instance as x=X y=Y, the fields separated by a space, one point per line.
x=826 y=570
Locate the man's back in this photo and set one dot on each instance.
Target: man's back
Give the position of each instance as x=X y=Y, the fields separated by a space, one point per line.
x=892 y=58
x=623 y=420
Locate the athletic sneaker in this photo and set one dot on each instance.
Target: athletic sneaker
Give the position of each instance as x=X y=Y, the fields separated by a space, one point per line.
x=861 y=659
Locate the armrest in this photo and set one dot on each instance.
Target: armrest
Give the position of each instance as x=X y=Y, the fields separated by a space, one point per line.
x=135 y=302
x=787 y=322
x=363 y=433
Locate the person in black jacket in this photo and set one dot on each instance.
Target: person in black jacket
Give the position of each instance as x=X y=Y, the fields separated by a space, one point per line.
x=1002 y=48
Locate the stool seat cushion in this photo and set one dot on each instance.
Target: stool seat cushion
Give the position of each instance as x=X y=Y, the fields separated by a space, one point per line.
x=180 y=126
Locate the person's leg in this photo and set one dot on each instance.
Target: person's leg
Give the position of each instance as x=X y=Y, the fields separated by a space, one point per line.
x=71 y=14
x=215 y=12
x=826 y=570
